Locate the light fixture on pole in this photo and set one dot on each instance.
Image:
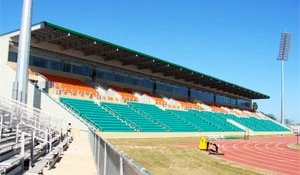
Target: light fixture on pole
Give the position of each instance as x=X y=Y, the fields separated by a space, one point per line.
x=283 y=56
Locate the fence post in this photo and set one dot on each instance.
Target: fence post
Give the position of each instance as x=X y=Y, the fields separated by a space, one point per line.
x=297 y=135
x=1 y=126
x=97 y=142
x=32 y=149
x=17 y=134
x=105 y=159
x=23 y=144
x=121 y=165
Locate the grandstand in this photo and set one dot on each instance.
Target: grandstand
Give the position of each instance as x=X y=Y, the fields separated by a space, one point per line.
x=113 y=88
x=109 y=88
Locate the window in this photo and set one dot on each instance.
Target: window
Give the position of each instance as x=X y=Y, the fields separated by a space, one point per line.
x=38 y=62
x=233 y=102
x=222 y=100
x=202 y=95
x=76 y=69
x=66 y=67
x=243 y=103
x=86 y=70
x=55 y=65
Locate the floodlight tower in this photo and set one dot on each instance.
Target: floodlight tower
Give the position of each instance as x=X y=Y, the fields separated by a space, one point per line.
x=283 y=56
x=21 y=82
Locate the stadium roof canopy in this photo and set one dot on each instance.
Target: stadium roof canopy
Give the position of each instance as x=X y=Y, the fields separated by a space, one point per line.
x=68 y=39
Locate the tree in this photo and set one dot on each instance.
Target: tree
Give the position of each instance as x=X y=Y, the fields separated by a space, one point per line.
x=254 y=106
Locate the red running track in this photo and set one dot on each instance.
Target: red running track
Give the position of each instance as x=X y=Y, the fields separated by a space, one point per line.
x=270 y=154
x=267 y=153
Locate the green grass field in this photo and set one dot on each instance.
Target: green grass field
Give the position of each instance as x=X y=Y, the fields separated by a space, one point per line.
x=165 y=156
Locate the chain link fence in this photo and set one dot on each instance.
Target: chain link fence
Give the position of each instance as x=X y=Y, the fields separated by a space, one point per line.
x=109 y=161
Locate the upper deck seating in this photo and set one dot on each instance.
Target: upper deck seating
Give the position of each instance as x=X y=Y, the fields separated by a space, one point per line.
x=159 y=101
x=71 y=86
x=126 y=94
x=189 y=105
x=218 y=109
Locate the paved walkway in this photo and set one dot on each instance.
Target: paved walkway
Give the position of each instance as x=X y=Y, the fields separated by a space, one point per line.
x=77 y=160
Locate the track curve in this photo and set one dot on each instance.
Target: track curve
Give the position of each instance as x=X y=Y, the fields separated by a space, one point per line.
x=271 y=154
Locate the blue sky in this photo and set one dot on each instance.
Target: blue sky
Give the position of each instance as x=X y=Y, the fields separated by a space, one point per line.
x=233 y=40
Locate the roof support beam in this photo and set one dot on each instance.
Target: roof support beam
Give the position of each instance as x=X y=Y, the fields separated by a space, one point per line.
x=50 y=38
x=113 y=55
x=100 y=52
x=145 y=65
x=169 y=74
x=130 y=59
x=79 y=45
x=190 y=77
x=159 y=67
x=181 y=76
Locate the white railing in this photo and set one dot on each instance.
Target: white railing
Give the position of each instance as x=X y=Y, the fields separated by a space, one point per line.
x=34 y=119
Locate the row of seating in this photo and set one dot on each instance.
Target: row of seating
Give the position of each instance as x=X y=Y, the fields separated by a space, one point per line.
x=126 y=94
x=71 y=86
x=134 y=116
x=198 y=122
x=143 y=123
x=218 y=121
x=97 y=116
x=256 y=124
x=171 y=122
x=158 y=118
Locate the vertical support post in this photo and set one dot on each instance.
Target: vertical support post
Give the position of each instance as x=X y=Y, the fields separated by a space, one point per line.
x=31 y=149
x=121 y=165
x=60 y=135
x=105 y=159
x=98 y=156
x=47 y=140
x=23 y=144
x=95 y=139
x=50 y=141
x=1 y=126
x=297 y=135
x=20 y=85
x=11 y=121
x=95 y=150
x=17 y=133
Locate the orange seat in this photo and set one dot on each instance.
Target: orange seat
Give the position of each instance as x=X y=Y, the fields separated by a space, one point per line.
x=218 y=109
x=71 y=86
x=126 y=94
